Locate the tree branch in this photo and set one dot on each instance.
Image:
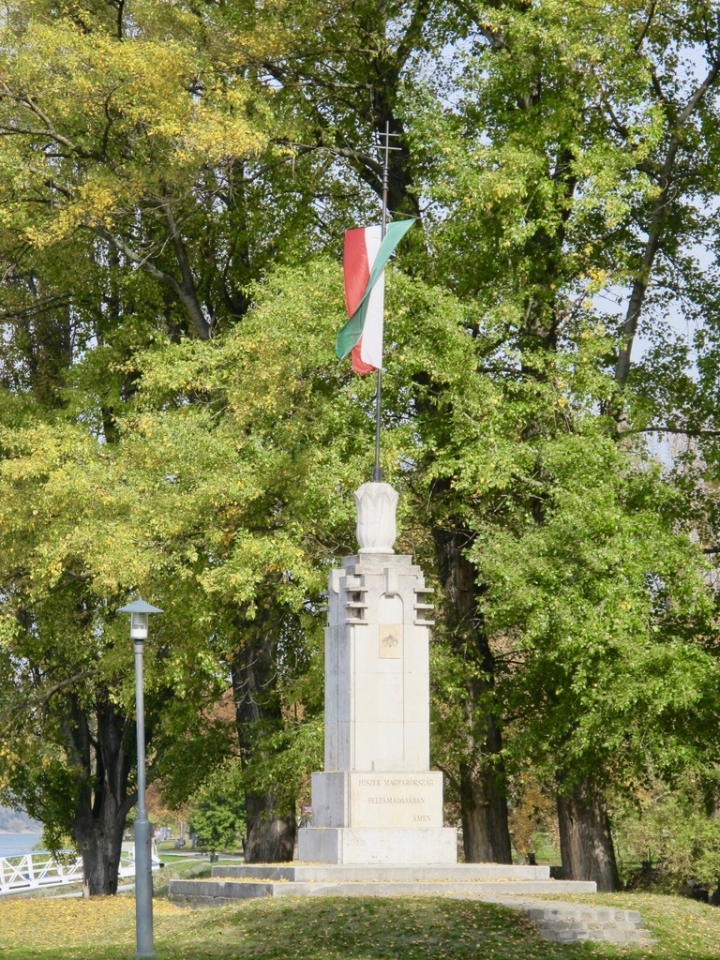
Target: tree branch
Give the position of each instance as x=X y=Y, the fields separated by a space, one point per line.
x=413 y=33
x=646 y=26
x=655 y=230
x=187 y=289
x=47 y=694
x=685 y=431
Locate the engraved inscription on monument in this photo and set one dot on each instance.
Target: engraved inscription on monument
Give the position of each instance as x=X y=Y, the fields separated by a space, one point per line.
x=390 y=641
x=401 y=801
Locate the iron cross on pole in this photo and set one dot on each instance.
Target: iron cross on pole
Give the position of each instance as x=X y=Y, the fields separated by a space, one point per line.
x=385 y=148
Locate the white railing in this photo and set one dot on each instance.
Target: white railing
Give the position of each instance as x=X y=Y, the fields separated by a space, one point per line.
x=30 y=871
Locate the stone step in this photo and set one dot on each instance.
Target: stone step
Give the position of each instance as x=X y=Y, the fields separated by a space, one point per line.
x=222 y=890
x=570 y=923
x=342 y=873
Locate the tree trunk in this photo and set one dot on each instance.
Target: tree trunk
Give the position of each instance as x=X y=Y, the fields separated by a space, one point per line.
x=270 y=837
x=586 y=845
x=271 y=822
x=483 y=807
x=483 y=804
x=99 y=835
x=102 y=804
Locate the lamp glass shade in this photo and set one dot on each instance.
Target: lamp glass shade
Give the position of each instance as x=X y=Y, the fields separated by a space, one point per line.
x=138 y=626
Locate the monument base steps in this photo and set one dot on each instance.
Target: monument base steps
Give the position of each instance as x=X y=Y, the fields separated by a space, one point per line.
x=232 y=883
x=517 y=887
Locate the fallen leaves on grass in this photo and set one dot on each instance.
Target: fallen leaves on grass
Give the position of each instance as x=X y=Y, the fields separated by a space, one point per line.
x=36 y=927
x=336 y=929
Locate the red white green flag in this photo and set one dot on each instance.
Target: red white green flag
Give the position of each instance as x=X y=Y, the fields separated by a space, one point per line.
x=364 y=262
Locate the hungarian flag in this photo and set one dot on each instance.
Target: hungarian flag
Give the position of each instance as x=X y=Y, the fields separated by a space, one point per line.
x=364 y=262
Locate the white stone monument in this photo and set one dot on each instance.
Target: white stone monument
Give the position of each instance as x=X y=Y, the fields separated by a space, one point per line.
x=377 y=808
x=377 y=800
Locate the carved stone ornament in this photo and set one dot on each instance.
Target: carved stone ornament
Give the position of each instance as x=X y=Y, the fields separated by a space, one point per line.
x=376 y=505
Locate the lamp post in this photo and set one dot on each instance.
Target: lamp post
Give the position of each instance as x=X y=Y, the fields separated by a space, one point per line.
x=139 y=611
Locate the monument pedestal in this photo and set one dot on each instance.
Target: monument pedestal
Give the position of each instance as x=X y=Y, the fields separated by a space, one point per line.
x=377 y=800
x=390 y=817
x=350 y=845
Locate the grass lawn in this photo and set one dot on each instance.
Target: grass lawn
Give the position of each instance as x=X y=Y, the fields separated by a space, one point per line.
x=324 y=929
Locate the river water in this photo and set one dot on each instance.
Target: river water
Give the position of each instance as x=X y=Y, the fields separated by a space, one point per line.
x=12 y=844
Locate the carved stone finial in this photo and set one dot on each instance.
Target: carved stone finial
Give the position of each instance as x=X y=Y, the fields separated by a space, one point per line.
x=376 y=504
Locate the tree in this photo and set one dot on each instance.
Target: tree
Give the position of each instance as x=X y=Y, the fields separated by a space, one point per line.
x=67 y=689
x=261 y=542
x=604 y=606
x=123 y=128
x=216 y=814
x=122 y=131
x=560 y=164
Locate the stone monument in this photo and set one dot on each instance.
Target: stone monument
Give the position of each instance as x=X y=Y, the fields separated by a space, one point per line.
x=377 y=807
x=377 y=801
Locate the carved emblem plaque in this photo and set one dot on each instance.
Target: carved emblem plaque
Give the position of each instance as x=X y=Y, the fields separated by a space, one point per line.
x=390 y=641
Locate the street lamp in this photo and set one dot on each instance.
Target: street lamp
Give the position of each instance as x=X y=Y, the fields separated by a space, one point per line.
x=139 y=611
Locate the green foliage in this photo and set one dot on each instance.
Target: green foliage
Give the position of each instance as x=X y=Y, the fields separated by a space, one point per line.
x=674 y=833
x=601 y=600
x=216 y=811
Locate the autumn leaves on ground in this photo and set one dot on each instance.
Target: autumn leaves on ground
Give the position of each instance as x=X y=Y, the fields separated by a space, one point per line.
x=357 y=929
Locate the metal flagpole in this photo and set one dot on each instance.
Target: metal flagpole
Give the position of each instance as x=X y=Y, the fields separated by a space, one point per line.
x=377 y=470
